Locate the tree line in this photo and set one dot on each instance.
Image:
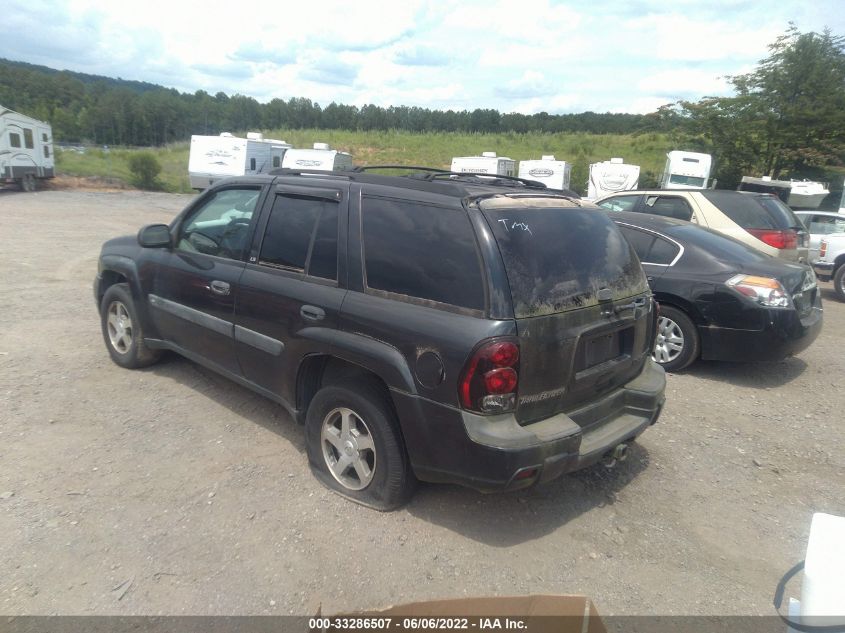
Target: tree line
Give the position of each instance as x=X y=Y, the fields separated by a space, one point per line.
x=102 y=110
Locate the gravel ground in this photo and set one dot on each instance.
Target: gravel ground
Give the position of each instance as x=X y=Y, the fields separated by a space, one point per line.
x=172 y=490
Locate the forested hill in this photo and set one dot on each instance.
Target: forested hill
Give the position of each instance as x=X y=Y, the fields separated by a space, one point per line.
x=104 y=110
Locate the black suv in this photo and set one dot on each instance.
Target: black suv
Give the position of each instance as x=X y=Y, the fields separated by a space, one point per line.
x=433 y=326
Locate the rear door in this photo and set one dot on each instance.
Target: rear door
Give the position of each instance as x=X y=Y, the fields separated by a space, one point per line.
x=292 y=281
x=581 y=302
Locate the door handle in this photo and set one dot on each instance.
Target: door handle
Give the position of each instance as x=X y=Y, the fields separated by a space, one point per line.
x=220 y=287
x=312 y=313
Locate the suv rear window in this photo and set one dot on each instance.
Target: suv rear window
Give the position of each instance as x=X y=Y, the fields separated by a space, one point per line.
x=557 y=259
x=422 y=251
x=753 y=211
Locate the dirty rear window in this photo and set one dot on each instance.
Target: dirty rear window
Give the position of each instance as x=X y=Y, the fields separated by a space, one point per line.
x=558 y=259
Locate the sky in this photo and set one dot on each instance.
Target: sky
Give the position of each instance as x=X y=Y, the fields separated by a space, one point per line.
x=513 y=56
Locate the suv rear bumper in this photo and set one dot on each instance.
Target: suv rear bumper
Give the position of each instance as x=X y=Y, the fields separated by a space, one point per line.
x=487 y=453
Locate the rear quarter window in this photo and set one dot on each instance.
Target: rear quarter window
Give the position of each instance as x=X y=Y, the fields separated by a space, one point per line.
x=423 y=252
x=557 y=259
x=753 y=212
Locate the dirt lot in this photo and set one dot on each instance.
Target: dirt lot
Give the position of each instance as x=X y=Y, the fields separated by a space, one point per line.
x=172 y=490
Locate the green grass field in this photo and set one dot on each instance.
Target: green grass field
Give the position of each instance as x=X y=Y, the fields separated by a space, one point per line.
x=405 y=148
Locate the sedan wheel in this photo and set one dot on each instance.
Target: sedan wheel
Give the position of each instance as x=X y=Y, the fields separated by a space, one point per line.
x=676 y=343
x=669 y=343
x=348 y=448
x=120 y=329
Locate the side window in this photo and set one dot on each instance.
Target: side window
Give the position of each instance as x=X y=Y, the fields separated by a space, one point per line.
x=301 y=235
x=44 y=136
x=650 y=248
x=826 y=224
x=14 y=139
x=221 y=225
x=46 y=151
x=640 y=241
x=252 y=164
x=662 y=252
x=619 y=203
x=27 y=138
x=422 y=251
x=669 y=206
x=277 y=160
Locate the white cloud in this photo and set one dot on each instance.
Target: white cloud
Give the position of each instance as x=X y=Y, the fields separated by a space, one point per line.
x=526 y=56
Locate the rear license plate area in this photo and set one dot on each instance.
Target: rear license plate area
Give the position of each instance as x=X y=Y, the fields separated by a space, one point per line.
x=601 y=348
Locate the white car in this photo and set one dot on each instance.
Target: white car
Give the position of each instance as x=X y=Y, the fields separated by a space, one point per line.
x=761 y=220
x=830 y=264
x=820 y=224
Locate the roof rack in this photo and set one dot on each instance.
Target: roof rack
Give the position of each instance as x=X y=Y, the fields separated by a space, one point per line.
x=433 y=173
x=363 y=168
x=487 y=179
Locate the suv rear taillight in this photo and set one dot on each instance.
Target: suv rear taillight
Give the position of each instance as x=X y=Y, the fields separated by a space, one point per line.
x=490 y=379
x=780 y=239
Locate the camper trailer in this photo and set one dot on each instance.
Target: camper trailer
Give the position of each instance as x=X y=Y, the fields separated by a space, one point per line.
x=487 y=163
x=320 y=158
x=213 y=158
x=611 y=176
x=686 y=170
x=555 y=174
x=26 y=149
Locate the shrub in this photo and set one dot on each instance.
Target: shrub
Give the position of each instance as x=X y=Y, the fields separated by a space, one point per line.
x=145 y=168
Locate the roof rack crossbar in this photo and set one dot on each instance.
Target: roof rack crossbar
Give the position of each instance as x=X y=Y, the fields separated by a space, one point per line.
x=362 y=168
x=486 y=178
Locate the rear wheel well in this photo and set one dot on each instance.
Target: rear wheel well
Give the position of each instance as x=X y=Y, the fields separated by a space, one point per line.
x=680 y=304
x=321 y=369
x=109 y=278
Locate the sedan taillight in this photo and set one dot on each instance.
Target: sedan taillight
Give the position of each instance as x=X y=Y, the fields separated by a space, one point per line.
x=823 y=249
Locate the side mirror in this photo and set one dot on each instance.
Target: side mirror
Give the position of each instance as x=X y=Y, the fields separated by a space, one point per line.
x=154 y=236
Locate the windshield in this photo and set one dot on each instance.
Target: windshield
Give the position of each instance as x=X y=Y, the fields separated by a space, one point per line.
x=692 y=181
x=557 y=259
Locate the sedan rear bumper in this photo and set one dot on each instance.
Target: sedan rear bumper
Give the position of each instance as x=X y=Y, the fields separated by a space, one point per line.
x=784 y=335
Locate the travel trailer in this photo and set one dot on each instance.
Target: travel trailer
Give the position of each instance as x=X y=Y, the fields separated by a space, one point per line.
x=798 y=194
x=321 y=157
x=26 y=149
x=611 y=176
x=686 y=170
x=555 y=174
x=213 y=158
x=487 y=163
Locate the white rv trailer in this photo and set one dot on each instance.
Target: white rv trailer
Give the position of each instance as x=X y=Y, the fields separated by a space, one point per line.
x=320 y=158
x=487 y=163
x=213 y=158
x=26 y=149
x=686 y=170
x=555 y=174
x=611 y=176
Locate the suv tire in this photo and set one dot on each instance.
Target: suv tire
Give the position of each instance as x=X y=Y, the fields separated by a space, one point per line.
x=355 y=447
x=839 y=282
x=674 y=328
x=122 y=331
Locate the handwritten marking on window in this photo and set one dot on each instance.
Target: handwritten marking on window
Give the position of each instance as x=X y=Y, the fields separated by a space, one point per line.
x=513 y=226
